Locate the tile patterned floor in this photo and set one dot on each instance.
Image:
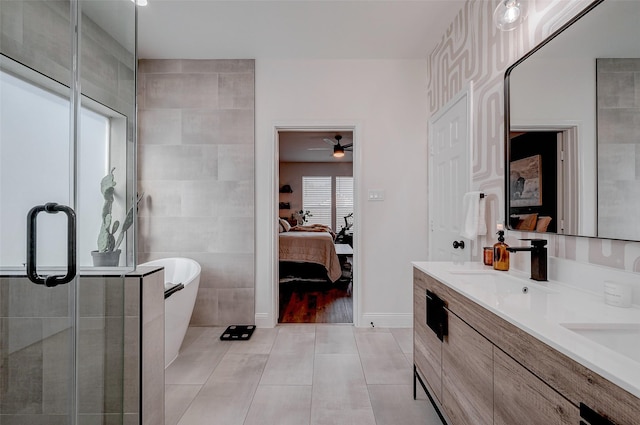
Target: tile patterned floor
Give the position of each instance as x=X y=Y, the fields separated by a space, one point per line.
x=298 y=375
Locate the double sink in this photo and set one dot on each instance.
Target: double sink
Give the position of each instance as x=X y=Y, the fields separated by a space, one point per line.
x=507 y=292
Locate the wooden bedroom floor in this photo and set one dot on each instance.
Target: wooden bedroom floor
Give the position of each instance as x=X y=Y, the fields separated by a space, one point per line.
x=306 y=303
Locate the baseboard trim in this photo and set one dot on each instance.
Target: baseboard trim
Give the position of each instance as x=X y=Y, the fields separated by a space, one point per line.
x=387 y=320
x=263 y=320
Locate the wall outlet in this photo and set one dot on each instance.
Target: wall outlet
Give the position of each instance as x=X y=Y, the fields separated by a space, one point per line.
x=376 y=195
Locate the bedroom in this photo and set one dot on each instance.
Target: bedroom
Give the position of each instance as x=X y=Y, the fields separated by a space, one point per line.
x=315 y=243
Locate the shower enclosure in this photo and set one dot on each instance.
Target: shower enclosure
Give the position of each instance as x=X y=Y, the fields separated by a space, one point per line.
x=69 y=331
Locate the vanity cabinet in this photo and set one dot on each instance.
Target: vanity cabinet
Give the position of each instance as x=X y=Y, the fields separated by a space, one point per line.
x=488 y=371
x=467 y=374
x=521 y=398
x=427 y=348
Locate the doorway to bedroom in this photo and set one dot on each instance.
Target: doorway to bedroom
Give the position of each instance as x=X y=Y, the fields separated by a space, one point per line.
x=315 y=238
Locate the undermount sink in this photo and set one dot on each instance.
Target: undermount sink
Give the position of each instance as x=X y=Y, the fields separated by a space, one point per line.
x=472 y=271
x=501 y=283
x=622 y=338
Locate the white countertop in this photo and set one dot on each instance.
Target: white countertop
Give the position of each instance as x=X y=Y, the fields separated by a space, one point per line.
x=543 y=310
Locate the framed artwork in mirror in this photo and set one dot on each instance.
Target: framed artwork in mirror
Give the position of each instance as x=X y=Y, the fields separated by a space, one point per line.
x=526 y=185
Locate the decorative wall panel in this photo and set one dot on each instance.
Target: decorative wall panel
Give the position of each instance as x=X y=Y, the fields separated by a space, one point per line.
x=474 y=50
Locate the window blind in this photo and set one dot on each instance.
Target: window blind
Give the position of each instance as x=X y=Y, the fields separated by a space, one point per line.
x=344 y=199
x=316 y=197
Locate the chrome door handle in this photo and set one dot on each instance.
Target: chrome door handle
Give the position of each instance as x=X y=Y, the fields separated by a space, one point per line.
x=32 y=239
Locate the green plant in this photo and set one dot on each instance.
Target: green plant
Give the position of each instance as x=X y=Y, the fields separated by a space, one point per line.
x=106 y=239
x=304 y=215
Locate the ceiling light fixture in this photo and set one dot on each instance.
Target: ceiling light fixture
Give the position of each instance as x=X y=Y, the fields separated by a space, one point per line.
x=509 y=14
x=140 y=2
x=338 y=151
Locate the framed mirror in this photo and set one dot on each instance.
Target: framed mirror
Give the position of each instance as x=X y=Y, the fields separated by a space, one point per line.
x=572 y=128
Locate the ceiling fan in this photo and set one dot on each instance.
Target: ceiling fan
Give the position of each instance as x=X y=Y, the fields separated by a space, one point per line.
x=338 y=149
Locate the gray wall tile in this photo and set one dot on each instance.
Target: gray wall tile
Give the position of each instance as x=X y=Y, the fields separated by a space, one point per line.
x=235 y=162
x=160 y=126
x=163 y=198
x=218 y=65
x=206 y=126
x=153 y=372
x=225 y=270
x=164 y=66
x=205 y=312
x=160 y=162
x=196 y=165
x=232 y=198
x=181 y=91
x=236 y=90
x=236 y=305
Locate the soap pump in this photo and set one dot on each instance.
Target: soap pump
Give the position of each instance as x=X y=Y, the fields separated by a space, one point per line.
x=500 y=253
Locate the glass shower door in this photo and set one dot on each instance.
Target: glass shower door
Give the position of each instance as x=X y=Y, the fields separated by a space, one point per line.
x=62 y=128
x=37 y=319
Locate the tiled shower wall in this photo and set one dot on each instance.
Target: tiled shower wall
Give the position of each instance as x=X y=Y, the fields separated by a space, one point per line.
x=618 y=146
x=196 y=167
x=473 y=49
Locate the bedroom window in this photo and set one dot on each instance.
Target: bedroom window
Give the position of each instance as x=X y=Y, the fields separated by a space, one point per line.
x=327 y=201
x=344 y=200
x=316 y=197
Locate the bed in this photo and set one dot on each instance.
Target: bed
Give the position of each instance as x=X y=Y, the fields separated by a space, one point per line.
x=311 y=244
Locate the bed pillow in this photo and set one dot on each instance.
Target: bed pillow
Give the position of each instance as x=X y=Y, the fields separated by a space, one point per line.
x=527 y=222
x=284 y=224
x=543 y=223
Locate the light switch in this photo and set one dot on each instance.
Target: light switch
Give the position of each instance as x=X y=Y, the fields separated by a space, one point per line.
x=376 y=195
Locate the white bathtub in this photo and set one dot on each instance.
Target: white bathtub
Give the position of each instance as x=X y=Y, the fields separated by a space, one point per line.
x=179 y=306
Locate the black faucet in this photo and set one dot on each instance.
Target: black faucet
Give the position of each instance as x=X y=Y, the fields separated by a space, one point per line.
x=538 y=257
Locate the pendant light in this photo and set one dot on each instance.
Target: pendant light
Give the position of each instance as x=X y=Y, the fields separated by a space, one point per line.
x=509 y=14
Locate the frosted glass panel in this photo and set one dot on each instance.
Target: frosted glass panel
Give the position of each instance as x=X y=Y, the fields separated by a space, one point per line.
x=34 y=127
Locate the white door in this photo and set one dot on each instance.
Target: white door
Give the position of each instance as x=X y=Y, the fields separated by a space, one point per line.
x=449 y=178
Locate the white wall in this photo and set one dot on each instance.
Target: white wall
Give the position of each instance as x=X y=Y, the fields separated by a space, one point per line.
x=385 y=100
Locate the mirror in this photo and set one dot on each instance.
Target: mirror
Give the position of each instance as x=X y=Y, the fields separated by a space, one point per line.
x=572 y=114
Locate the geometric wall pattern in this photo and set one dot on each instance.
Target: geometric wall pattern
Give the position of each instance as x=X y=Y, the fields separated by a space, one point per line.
x=474 y=50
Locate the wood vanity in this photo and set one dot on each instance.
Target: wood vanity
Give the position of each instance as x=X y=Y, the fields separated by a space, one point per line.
x=486 y=370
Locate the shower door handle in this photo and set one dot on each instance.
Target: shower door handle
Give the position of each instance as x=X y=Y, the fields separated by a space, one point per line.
x=32 y=242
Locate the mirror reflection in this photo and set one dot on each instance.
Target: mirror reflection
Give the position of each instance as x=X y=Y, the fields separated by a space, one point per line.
x=573 y=115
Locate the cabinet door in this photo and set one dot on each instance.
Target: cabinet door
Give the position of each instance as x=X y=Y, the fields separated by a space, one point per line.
x=467 y=375
x=427 y=348
x=521 y=398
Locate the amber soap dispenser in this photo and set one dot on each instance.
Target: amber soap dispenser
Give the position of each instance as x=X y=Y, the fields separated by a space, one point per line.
x=500 y=253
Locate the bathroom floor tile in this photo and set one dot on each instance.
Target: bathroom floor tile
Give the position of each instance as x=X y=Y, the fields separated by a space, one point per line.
x=177 y=399
x=280 y=405
x=260 y=343
x=404 y=338
x=394 y=404
x=335 y=340
x=288 y=369
x=299 y=375
x=195 y=363
x=387 y=369
x=377 y=343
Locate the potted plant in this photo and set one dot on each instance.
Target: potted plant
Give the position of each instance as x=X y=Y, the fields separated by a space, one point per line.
x=108 y=252
x=302 y=216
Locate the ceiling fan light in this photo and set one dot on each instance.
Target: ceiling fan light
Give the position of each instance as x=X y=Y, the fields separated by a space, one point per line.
x=338 y=151
x=509 y=14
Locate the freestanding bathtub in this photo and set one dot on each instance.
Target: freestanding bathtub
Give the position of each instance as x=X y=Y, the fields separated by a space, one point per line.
x=179 y=305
